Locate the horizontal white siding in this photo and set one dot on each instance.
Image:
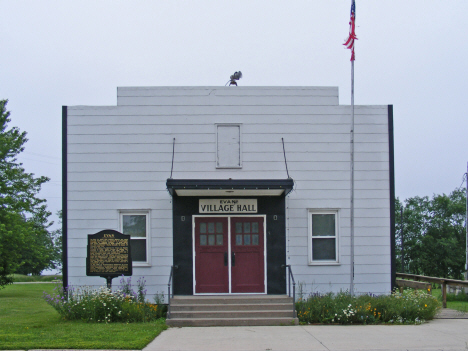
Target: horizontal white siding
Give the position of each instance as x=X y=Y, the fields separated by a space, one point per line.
x=119 y=158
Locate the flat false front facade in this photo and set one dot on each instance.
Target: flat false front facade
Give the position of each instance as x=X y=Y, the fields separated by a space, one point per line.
x=229 y=185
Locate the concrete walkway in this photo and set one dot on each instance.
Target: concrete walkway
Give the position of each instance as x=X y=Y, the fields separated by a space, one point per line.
x=447 y=313
x=439 y=334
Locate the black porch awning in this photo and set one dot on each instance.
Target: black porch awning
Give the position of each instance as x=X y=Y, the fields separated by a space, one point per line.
x=230 y=187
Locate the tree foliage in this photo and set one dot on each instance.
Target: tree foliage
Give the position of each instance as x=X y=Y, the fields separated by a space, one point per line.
x=434 y=235
x=25 y=243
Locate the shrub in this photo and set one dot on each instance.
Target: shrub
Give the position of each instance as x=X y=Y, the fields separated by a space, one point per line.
x=103 y=305
x=409 y=307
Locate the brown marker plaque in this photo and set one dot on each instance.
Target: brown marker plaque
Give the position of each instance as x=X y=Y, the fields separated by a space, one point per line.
x=109 y=254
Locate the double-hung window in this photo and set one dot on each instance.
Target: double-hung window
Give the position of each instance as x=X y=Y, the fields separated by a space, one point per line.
x=136 y=224
x=323 y=236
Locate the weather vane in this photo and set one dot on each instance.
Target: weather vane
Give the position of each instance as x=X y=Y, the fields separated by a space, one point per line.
x=233 y=78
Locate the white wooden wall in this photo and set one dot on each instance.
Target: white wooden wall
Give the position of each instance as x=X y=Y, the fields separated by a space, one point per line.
x=119 y=158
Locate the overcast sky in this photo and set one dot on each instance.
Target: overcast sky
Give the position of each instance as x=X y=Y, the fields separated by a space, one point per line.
x=412 y=54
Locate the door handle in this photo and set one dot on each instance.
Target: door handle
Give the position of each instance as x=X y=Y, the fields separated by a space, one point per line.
x=233 y=259
x=225 y=259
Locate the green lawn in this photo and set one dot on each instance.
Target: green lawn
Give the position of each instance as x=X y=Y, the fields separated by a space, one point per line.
x=35 y=278
x=28 y=322
x=455 y=305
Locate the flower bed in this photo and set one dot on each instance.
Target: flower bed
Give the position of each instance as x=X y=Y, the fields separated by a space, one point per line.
x=105 y=306
x=410 y=307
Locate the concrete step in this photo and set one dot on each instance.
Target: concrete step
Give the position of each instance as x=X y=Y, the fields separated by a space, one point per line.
x=232 y=307
x=231 y=310
x=233 y=299
x=231 y=314
x=216 y=322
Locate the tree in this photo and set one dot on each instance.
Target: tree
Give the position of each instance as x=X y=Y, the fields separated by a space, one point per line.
x=57 y=239
x=40 y=251
x=24 y=236
x=434 y=236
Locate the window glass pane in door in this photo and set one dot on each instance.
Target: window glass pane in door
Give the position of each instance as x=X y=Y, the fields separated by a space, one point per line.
x=203 y=239
x=219 y=227
x=202 y=227
x=211 y=227
x=246 y=239
x=254 y=239
x=238 y=239
x=246 y=227
x=219 y=239
x=254 y=227
x=211 y=239
x=238 y=227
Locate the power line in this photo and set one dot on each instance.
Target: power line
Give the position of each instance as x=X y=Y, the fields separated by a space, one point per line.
x=463 y=181
x=41 y=155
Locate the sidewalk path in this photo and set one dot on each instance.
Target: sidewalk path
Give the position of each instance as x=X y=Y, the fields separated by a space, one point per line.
x=439 y=334
x=447 y=313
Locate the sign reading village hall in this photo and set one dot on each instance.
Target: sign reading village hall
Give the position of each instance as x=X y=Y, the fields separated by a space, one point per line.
x=228 y=206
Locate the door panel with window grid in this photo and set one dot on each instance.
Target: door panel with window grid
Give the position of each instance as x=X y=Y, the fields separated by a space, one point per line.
x=247 y=255
x=211 y=255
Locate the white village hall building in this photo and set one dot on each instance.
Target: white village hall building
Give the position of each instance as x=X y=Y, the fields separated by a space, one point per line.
x=231 y=184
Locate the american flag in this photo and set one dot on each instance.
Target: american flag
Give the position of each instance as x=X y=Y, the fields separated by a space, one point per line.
x=352 y=34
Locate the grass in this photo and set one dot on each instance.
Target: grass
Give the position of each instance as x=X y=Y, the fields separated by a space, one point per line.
x=21 y=278
x=28 y=322
x=455 y=305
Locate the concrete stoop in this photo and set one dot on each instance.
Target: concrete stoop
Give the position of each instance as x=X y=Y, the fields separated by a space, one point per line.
x=233 y=310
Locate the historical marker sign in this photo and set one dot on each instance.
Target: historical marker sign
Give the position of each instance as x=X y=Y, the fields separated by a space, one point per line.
x=108 y=254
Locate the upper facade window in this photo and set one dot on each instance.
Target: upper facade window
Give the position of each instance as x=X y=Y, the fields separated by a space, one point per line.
x=136 y=225
x=228 y=146
x=323 y=237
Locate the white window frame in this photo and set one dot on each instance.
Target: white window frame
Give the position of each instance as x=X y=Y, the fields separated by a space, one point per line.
x=217 y=125
x=337 y=236
x=146 y=213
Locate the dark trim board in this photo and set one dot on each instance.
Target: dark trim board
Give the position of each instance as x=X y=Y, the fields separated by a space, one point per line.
x=392 y=195
x=184 y=207
x=64 y=198
x=235 y=184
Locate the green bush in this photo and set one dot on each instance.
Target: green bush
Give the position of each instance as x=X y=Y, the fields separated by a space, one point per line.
x=104 y=306
x=410 y=307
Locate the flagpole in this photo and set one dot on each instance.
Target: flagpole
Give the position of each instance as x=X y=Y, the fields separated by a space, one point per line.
x=351 y=285
x=349 y=43
x=466 y=224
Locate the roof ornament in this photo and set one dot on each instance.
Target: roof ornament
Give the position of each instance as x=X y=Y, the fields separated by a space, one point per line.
x=233 y=78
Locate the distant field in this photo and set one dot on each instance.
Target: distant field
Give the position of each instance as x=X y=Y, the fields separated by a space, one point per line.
x=20 y=278
x=28 y=322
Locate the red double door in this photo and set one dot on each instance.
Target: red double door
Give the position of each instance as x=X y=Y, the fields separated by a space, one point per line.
x=229 y=255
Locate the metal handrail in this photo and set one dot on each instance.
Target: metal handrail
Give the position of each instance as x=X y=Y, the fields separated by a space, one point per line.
x=291 y=277
x=171 y=274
